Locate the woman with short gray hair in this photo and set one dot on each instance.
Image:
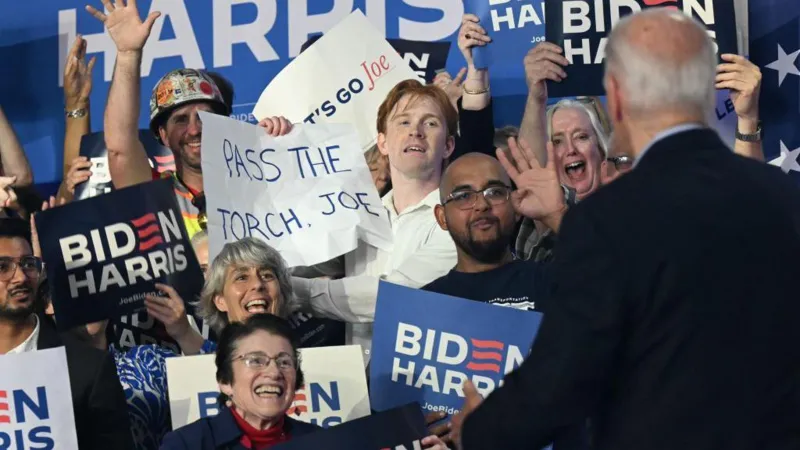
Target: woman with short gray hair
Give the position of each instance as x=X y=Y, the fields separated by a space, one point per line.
x=247 y=277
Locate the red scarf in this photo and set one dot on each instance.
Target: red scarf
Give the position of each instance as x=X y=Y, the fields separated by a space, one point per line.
x=258 y=439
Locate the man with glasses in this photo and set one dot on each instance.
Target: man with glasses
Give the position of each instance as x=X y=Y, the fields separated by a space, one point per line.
x=101 y=418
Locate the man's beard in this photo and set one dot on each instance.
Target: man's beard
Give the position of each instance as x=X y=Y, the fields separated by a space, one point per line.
x=488 y=251
x=17 y=314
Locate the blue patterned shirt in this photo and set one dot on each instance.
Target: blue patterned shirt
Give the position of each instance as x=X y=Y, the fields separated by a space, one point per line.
x=143 y=374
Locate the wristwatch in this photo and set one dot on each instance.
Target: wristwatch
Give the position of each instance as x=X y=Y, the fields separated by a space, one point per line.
x=76 y=113
x=753 y=137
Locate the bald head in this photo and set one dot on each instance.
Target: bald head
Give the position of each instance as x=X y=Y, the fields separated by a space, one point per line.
x=472 y=171
x=662 y=58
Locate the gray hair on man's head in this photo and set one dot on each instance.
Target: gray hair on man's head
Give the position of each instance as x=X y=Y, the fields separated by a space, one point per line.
x=652 y=83
x=247 y=252
x=602 y=139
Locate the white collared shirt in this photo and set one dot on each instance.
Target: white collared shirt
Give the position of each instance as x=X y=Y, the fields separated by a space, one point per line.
x=422 y=252
x=29 y=344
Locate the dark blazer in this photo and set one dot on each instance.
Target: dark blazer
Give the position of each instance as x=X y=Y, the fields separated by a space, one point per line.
x=101 y=413
x=222 y=432
x=674 y=321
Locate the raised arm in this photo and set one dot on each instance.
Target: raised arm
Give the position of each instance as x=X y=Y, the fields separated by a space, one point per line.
x=743 y=79
x=127 y=159
x=543 y=62
x=13 y=161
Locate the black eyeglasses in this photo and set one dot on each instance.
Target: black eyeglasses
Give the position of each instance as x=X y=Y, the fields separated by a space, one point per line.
x=31 y=266
x=621 y=163
x=465 y=199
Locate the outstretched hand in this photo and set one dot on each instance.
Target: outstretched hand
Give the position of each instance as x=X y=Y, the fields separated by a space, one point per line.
x=539 y=194
x=124 y=24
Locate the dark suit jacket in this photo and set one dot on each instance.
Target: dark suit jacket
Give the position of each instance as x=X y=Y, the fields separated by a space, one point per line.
x=674 y=320
x=101 y=413
x=222 y=432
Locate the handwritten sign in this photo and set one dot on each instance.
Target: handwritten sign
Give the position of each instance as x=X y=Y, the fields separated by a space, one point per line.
x=36 y=406
x=342 y=78
x=308 y=194
x=335 y=389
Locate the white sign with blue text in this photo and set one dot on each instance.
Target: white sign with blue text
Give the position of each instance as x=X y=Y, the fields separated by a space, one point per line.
x=335 y=389
x=343 y=78
x=308 y=194
x=35 y=405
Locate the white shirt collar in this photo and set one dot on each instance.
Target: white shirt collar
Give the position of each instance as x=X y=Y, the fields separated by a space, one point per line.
x=430 y=200
x=665 y=134
x=29 y=344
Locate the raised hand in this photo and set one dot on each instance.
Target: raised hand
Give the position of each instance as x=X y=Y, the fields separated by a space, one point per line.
x=472 y=399
x=8 y=197
x=539 y=194
x=124 y=24
x=451 y=86
x=743 y=79
x=471 y=35
x=78 y=173
x=35 y=245
x=544 y=62
x=169 y=310
x=78 y=76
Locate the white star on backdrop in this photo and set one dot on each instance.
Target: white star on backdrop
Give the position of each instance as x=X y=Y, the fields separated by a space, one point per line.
x=788 y=159
x=784 y=64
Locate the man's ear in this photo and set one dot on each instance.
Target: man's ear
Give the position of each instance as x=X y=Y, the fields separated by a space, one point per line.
x=450 y=147
x=438 y=212
x=226 y=389
x=382 y=144
x=162 y=133
x=614 y=98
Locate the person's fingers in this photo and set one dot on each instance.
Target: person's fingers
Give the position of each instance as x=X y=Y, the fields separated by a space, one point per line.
x=167 y=289
x=151 y=20
x=551 y=155
x=473 y=29
x=286 y=126
x=526 y=151
x=734 y=58
x=460 y=77
x=45 y=206
x=734 y=85
x=90 y=66
x=520 y=161
x=552 y=57
x=7 y=181
x=79 y=159
x=81 y=165
x=52 y=201
x=434 y=417
x=440 y=430
x=542 y=66
x=508 y=166
x=547 y=46
x=469 y=18
x=108 y=5
x=95 y=13
x=729 y=76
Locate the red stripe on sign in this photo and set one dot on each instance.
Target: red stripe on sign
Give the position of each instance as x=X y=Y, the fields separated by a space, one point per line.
x=152 y=242
x=487 y=344
x=3 y=406
x=5 y=419
x=487 y=355
x=143 y=220
x=164 y=159
x=299 y=396
x=486 y=367
x=144 y=232
x=3 y=394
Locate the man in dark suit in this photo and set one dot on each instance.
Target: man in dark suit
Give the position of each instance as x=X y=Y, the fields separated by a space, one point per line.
x=101 y=417
x=674 y=317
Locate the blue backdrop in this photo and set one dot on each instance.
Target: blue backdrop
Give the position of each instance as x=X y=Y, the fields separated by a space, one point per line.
x=249 y=41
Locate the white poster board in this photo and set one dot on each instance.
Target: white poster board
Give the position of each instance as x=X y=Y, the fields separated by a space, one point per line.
x=308 y=194
x=335 y=389
x=342 y=78
x=36 y=401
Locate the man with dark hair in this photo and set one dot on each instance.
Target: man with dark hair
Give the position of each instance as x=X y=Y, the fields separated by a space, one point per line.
x=101 y=418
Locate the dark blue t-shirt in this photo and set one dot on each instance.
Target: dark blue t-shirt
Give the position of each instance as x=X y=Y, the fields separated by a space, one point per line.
x=518 y=284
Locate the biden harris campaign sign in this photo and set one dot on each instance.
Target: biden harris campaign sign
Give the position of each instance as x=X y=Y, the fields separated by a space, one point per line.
x=105 y=254
x=426 y=345
x=515 y=27
x=581 y=28
x=335 y=389
x=309 y=194
x=400 y=428
x=36 y=402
